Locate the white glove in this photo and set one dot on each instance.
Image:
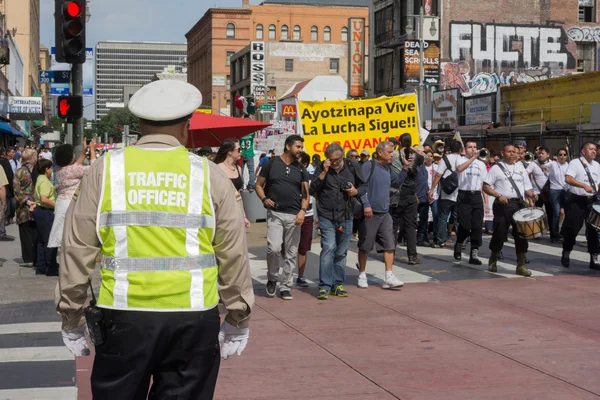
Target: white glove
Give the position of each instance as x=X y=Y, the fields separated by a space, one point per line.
x=232 y=340
x=76 y=342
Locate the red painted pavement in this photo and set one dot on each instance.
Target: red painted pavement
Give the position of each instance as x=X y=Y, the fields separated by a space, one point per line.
x=534 y=338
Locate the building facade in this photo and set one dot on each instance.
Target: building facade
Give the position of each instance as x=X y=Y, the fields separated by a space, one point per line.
x=484 y=47
x=23 y=21
x=123 y=66
x=293 y=25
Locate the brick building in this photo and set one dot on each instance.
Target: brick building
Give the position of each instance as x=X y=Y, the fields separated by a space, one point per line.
x=485 y=46
x=292 y=26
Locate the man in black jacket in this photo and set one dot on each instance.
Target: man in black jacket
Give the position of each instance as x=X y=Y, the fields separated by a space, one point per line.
x=335 y=182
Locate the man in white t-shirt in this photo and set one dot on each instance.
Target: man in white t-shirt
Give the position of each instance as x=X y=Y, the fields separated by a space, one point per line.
x=539 y=171
x=470 y=202
x=583 y=177
x=509 y=200
x=46 y=154
x=447 y=201
x=558 y=192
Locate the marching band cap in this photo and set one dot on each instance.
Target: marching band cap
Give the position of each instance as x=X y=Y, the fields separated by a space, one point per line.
x=365 y=152
x=165 y=100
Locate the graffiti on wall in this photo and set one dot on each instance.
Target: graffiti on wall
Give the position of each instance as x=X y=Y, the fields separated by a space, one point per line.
x=485 y=57
x=584 y=34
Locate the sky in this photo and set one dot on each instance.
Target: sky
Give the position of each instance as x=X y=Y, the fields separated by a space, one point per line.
x=134 y=20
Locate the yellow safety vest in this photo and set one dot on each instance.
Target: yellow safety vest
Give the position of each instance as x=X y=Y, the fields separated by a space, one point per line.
x=156 y=225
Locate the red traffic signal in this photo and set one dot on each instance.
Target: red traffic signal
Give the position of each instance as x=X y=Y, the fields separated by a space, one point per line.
x=70 y=31
x=70 y=107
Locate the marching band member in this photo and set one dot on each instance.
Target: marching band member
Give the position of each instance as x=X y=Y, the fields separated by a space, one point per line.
x=558 y=191
x=470 y=202
x=583 y=176
x=539 y=171
x=508 y=182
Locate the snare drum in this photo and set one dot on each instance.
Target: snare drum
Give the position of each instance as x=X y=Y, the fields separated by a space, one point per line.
x=594 y=216
x=531 y=222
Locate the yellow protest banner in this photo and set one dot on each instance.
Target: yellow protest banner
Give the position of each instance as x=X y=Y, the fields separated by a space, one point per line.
x=357 y=124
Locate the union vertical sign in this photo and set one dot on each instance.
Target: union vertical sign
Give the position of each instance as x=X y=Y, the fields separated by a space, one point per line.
x=356 y=57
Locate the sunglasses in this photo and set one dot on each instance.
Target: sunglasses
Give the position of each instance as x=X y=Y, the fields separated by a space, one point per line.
x=562 y=155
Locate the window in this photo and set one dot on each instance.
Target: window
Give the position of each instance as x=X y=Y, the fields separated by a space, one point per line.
x=289 y=65
x=297 y=32
x=228 y=82
x=284 y=32
x=344 y=34
x=587 y=10
x=327 y=34
x=272 y=32
x=334 y=64
x=314 y=33
x=259 y=32
x=585 y=56
x=230 y=30
x=228 y=57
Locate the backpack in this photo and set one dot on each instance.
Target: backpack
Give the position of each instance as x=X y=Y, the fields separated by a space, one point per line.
x=449 y=183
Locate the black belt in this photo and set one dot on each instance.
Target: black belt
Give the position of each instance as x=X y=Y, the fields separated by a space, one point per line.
x=470 y=191
x=515 y=200
x=586 y=198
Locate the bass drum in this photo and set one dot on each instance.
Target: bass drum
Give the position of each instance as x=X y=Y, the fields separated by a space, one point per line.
x=594 y=216
x=531 y=222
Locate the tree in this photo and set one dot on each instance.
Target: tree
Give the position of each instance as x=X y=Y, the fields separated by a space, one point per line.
x=113 y=120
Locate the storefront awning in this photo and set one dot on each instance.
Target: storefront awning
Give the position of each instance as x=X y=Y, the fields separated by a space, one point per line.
x=7 y=129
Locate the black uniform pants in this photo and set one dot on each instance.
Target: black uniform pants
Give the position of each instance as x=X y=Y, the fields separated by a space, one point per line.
x=178 y=350
x=576 y=212
x=404 y=219
x=503 y=218
x=547 y=205
x=470 y=217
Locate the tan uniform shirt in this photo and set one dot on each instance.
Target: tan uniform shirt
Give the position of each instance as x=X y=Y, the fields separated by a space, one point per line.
x=81 y=245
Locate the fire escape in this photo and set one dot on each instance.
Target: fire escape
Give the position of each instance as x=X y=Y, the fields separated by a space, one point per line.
x=389 y=37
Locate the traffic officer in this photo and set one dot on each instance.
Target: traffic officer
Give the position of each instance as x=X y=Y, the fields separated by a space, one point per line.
x=167 y=225
x=470 y=202
x=509 y=183
x=583 y=177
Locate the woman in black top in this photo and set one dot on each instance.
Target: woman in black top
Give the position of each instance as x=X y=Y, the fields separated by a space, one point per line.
x=227 y=158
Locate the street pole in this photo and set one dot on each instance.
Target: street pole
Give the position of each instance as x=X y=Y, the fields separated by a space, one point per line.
x=421 y=65
x=77 y=82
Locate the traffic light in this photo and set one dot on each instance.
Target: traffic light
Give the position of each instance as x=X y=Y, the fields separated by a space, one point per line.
x=69 y=21
x=70 y=107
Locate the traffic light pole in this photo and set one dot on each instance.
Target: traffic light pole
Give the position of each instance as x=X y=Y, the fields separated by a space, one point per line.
x=77 y=82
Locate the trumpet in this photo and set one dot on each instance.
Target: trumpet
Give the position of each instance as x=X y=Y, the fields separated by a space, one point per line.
x=484 y=155
x=527 y=158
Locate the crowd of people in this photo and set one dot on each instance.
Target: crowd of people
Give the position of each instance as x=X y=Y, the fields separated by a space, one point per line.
x=36 y=188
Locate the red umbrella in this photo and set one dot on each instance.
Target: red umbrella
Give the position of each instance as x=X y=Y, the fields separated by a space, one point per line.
x=211 y=130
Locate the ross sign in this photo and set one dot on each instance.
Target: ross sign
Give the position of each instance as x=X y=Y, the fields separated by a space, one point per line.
x=431 y=62
x=258 y=71
x=289 y=110
x=357 y=124
x=356 y=57
x=445 y=110
x=479 y=110
x=25 y=108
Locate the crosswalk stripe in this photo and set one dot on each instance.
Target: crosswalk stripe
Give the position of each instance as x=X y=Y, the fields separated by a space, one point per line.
x=56 y=393
x=553 y=251
x=36 y=354
x=33 y=327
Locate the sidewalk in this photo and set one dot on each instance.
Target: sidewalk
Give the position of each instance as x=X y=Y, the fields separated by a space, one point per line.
x=536 y=338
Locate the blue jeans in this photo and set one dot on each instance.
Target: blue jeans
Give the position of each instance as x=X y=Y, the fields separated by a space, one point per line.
x=334 y=248
x=251 y=178
x=445 y=209
x=558 y=199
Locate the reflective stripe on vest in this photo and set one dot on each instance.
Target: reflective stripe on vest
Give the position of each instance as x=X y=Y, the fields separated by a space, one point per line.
x=156 y=225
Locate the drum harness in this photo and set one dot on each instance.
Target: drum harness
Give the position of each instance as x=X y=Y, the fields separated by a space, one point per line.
x=512 y=182
x=592 y=183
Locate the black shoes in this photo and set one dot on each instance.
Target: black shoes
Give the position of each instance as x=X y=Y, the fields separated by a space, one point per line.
x=457 y=251
x=271 y=288
x=7 y=239
x=285 y=294
x=594 y=264
x=473 y=258
x=301 y=282
x=413 y=260
x=565 y=260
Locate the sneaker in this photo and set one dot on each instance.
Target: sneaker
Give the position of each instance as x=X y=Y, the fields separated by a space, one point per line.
x=391 y=282
x=594 y=264
x=7 y=239
x=285 y=294
x=301 y=282
x=25 y=265
x=354 y=239
x=338 y=291
x=500 y=255
x=271 y=287
x=438 y=246
x=362 y=281
x=414 y=260
x=323 y=294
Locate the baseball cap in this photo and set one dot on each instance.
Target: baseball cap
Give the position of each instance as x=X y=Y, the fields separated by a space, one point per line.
x=365 y=152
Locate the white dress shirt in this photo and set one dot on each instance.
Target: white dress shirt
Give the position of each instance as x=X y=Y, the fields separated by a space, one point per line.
x=577 y=171
x=500 y=183
x=557 y=176
x=472 y=177
x=454 y=160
